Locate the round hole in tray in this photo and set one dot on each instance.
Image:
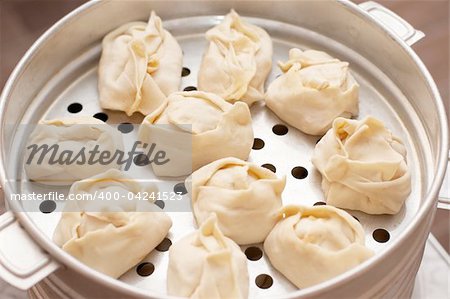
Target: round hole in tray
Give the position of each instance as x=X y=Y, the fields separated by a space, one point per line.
x=125 y=128
x=145 y=269
x=280 y=130
x=180 y=188
x=320 y=203
x=101 y=116
x=160 y=203
x=253 y=253
x=164 y=245
x=299 y=172
x=264 y=281
x=47 y=206
x=185 y=72
x=190 y=88
x=141 y=160
x=75 y=108
x=270 y=167
x=381 y=235
x=258 y=144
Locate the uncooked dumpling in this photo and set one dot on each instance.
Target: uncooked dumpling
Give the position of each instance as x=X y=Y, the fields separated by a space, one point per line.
x=363 y=167
x=312 y=244
x=245 y=197
x=206 y=264
x=140 y=65
x=110 y=236
x=237 y=62
x=69 y=141
x=195 y=128
x=314 y=89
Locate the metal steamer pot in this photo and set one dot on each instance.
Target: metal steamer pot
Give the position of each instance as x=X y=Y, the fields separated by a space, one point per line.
x=395 y=87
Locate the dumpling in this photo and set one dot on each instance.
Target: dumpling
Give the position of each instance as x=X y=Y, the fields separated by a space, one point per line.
x=312 y=244
x=195 y=128
x=237 y=62
x=64 y=146
x=206 y=264
x=140 y=65
x=110 y=236
x=363 y=167
x=314 y=89
x=245 y=197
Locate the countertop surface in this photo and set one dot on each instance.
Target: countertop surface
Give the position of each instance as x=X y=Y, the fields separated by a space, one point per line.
x=22 y=22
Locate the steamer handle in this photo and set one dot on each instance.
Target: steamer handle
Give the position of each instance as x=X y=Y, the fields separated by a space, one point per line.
x=392 y=22
x=22 y=261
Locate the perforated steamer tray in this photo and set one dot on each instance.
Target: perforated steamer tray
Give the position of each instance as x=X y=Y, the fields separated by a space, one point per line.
x=77 y=83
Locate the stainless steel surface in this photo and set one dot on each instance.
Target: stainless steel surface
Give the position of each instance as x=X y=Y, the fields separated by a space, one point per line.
x=431 y=280
x=395 y=87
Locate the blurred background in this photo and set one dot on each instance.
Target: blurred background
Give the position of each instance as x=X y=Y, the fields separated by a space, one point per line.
x=23 y=21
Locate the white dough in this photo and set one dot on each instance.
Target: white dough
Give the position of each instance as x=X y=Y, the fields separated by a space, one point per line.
x=363 y=167
x=314 y=89
x=72 y=135
x=111 y=236
x=244 y=196
x=237 y=61
x=312 y=244
x=140 y=65
x=195 y=128
x=206 y=264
